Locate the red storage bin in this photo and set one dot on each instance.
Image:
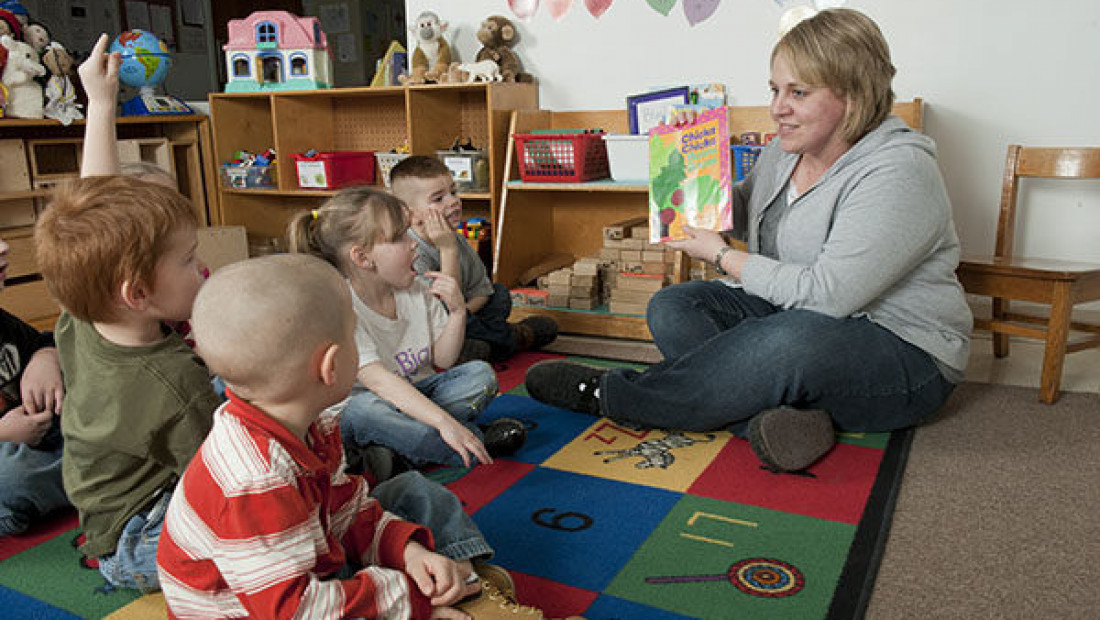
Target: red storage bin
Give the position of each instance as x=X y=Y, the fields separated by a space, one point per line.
x=334 y=170
x=561 y=158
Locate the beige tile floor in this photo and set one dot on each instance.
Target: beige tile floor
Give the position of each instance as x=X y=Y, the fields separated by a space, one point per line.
x=1021 y=367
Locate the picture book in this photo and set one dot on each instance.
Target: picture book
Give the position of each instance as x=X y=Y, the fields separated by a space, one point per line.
x=690 y=177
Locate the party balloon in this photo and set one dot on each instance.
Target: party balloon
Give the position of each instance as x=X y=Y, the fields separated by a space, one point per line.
x=524 y=9
x=662 y=6
x=699 y=10
x=598 y=7
x=558 y=8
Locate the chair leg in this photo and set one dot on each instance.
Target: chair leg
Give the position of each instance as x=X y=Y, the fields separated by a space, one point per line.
x=1000 y=341
x=1054 y=355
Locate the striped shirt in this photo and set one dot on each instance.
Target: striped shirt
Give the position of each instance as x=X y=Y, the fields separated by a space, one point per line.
x=261 y=522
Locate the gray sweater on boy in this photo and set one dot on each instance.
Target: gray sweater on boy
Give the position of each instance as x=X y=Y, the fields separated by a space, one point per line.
x=873 y=237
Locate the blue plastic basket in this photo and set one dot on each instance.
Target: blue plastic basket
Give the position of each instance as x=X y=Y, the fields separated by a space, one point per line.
x=744 y=158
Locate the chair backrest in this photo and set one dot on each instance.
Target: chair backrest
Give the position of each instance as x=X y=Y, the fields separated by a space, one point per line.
x=1038 y=162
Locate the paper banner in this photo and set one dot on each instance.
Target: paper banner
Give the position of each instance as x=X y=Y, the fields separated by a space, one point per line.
x=664 y=7
x=524 y=9
x=699 y=10
x=598 y=7
x=559 y=8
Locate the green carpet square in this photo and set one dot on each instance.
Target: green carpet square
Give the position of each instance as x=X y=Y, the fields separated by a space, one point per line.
x=683 y=566
x=35 y=573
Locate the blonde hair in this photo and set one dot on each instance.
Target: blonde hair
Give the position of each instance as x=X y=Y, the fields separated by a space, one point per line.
x=99 y=232
x=147 y=171
x=844 y=50
x=356 y=216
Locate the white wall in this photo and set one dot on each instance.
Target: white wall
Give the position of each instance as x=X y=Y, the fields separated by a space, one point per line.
x=991 y=73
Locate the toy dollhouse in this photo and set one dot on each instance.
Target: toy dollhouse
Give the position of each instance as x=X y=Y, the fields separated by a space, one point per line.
x=276 y=50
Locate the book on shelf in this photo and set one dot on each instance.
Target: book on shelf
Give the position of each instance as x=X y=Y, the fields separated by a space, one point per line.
x=690 y=178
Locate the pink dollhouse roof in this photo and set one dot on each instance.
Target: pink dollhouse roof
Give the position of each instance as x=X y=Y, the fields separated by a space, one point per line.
x=294 y=32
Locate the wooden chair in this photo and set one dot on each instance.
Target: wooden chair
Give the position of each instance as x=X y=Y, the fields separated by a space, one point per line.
x=1057 y=283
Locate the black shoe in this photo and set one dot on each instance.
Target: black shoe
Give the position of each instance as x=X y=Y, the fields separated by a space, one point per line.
x=504 y=436
x=568 y=385
x=535 y=332
x=787 y=440
x=473 y=349
x=379 y=462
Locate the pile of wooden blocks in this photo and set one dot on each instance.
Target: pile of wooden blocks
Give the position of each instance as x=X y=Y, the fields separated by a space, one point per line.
x=636 y=268
x=576 y=287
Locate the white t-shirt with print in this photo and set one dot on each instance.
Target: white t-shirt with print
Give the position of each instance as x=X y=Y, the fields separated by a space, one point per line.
x=404 y=344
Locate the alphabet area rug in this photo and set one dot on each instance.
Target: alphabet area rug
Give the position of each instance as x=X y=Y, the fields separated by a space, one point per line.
x=600 y=520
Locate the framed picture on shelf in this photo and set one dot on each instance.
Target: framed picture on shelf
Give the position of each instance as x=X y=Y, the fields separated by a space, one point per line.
x=648 y=110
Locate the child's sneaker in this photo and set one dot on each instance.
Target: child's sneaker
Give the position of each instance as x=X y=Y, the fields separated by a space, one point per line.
x=504 y=436
x=535 y=332
x=492 y=604
x=787 y=440
x=566 y=384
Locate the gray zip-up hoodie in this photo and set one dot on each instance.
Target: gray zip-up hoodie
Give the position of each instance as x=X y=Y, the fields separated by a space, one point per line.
x=874 y=236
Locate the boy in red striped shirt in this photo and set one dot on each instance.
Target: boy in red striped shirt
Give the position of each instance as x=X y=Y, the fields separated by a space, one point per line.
x=264 y=522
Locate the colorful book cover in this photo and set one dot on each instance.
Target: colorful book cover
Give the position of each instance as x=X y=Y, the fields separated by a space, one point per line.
x=690 y=177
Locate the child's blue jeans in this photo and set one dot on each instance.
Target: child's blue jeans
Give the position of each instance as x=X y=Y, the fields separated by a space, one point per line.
x=134 y=562
x=414 y=498
x=463 y=391
x=30 y=485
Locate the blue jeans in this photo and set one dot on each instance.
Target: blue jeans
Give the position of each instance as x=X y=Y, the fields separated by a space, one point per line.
x=414 y=498
x=729 y=355
x=134 y=562
x=30 y=485
x=463 y=391
x=491 y=324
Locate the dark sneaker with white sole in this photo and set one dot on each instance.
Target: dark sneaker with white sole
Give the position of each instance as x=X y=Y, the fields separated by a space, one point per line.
x=504 y=436
x=568 y=385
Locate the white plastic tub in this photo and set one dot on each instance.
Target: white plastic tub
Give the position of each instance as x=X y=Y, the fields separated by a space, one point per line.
x=628 y=156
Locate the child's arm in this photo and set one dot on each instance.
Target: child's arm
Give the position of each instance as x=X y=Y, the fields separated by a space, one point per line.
x=437 y=577
x=448 y=345
x=410 y=400
x=443 y=237
x=99 y=74
x=41 y=386
x=18 y=426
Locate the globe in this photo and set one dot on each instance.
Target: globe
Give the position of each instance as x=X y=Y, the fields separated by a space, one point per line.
x=145 y=59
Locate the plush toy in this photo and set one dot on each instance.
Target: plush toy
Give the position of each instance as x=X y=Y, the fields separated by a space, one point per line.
x=497 y=36
x=483 y=71
x=24 y=94
x=10 y=24
x=432 y=57
x=37 y=35
x=61 y=100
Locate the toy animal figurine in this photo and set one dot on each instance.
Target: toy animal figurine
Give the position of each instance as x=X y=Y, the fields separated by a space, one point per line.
x=484 y=71
x=61 y=101
x=432 y=57
x=37 y=35
x=24 y=94
x=497 y=36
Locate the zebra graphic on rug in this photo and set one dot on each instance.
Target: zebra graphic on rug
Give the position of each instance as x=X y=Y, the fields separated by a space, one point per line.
x=655 y=452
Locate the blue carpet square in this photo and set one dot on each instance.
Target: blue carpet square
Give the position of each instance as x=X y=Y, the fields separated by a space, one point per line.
x=608 y=606
x=548 y=428
x=575 y=529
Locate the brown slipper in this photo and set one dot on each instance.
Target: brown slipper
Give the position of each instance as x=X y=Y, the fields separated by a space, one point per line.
x=787 y=440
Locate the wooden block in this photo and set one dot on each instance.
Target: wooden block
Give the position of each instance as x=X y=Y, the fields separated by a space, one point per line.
x=655 y=247
x=634 y=244
x=630 y=267
x=622 y=307
x=640 y=282
x=640 y=232
x=222 y=245
x=582 y=303
x=609 y=254
x=582 y=280
x=582 y=291
x=546 y=265
x=620 y=230
x=558 y=301
x=651 y=256
x=660 y=269
x=613 y=244
x=630 y=256
x=13 y=161
x=561 y=276
x=559 y=289
x=586 y=267
x=634 y=297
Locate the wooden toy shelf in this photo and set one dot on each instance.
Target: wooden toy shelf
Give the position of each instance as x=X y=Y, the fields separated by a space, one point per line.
x=36 y=154
x=428 y=118
x=538 y=220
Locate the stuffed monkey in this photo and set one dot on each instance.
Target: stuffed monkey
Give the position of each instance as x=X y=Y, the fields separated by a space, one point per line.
x=497 y=36
x=432 y=57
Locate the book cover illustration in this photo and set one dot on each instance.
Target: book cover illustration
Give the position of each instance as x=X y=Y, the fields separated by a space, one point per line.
x=690 y=177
